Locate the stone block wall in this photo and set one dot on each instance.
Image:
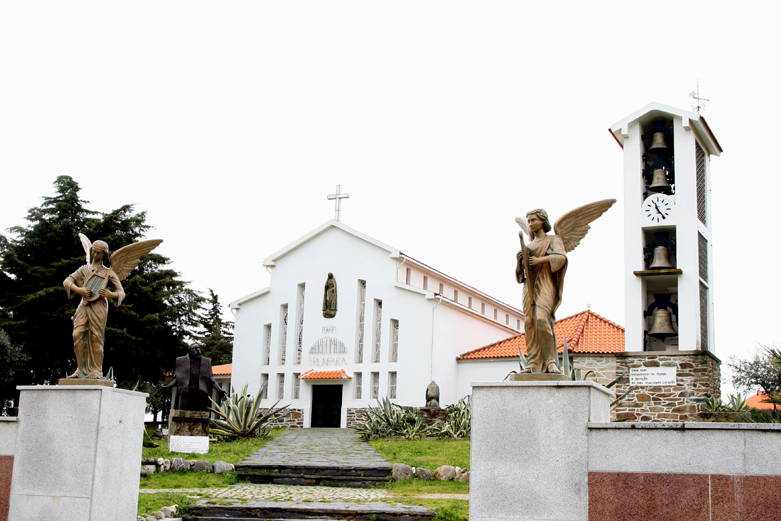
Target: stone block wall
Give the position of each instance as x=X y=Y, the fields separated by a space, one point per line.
x=295 y=420
x=354 y=416
x=698 y=378
x=601 y=367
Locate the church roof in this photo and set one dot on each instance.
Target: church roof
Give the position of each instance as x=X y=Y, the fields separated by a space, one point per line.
x=325 y=375
x=222 y=370
x=586 y=332
x=758 y=402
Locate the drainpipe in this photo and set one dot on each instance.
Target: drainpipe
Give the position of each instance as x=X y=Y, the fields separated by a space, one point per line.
x=399 y=269
x=431 y=364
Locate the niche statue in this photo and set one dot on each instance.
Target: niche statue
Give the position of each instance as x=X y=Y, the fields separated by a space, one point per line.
x=541 y=267
x=329 y=297
x=193 y=379
x=95 y=283
x=432 y=395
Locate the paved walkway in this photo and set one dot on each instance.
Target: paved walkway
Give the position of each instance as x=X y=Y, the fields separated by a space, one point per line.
x=317 y=447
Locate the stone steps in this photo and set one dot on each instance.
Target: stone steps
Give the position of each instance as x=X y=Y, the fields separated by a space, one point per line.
x=309 y=512
x=336 y=475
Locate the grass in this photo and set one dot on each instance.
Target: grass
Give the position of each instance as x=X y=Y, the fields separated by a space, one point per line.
x=447 y=509
x=148 y=503
x=429 y=454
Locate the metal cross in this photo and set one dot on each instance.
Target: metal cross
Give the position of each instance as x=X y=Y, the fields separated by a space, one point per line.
x=338 y=196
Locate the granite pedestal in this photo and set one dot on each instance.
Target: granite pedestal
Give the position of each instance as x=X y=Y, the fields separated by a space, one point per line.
x=529 y=449
x=78 y=454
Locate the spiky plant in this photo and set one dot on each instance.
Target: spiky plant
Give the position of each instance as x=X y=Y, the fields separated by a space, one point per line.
x=240 y=417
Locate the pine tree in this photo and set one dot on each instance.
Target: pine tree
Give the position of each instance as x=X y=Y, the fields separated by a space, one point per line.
x=217 y=334
x=143 y=335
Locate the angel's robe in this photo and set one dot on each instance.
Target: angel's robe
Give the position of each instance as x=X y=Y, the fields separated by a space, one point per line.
x=548 y=281
x=89 y=321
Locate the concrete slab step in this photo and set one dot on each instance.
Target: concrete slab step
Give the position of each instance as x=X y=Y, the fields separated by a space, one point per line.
x=345 y=476
x=310 y=511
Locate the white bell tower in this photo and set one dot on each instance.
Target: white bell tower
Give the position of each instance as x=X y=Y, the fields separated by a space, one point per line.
x=667 y=234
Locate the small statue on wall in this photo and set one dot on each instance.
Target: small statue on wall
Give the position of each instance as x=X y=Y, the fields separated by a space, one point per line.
x=95 y=283
x=432 y=395
x=329 y=297
x=193 y=378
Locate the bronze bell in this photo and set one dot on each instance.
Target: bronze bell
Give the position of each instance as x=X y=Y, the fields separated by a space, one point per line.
x=661 y=259
x=659 y=181
x=662 y=326
x=658 y=145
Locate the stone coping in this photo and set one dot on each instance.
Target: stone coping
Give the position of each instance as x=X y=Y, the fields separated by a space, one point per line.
x=552 y=383
x=78 y=388
x=638 y=354
x=701 y=426
x=7 y=418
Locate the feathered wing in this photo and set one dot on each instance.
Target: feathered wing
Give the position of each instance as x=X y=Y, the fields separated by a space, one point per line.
x=126 y=258
x=574 y=225
x=86 y=243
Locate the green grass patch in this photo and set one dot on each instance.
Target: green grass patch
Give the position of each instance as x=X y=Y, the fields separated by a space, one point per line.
x=415 y=487
x=446 y=509
x=148 y=503
x=188 y=479
x=429 y=454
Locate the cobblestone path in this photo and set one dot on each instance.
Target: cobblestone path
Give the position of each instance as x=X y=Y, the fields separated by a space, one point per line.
x=318 y=447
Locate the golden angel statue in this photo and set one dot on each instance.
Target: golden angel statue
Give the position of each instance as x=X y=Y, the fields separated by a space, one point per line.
x=541 y=267
x=95 y=283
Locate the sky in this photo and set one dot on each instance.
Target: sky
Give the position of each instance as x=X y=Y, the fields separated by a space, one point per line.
x=229 y=123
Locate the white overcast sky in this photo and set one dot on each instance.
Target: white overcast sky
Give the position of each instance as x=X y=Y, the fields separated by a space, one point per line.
x=230 y=122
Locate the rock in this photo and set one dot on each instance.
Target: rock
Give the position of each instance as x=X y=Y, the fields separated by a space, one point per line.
x=149 y=468
x=158 y=514
x=202 y=466
x=148 y=461
x=170 y=511
x=192 y=462
x=424 y=474
x=160 y=462
x=166 y=465
x=150 y=518
x=221 y=466
x=401 y=472
x=179 y=465
x=445 y=473
x=144 y=472
x=462 y=475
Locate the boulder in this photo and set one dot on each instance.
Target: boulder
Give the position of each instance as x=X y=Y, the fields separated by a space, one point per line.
x=221 y=466
x=401 y=472
x=166 y=465
x=462 y=475
x=424 y=474
x=160 y=462
x=445 y=473
x=179 y=465
x=202 y=466
x=169 y=511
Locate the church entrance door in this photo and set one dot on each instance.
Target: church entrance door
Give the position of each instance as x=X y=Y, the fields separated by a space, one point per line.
x=326 y=405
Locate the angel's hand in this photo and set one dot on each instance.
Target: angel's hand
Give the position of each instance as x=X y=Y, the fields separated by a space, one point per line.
x=84 y=292
x=519 y=255
x=534 y=261
x=106 y=293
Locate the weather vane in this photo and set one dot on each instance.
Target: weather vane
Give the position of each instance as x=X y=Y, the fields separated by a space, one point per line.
x=697 y=104
x=338 y=196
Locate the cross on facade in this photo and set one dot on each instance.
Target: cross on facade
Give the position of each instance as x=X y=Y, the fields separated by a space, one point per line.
x=338 y=196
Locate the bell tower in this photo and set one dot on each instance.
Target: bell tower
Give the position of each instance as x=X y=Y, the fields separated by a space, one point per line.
x=668 y=279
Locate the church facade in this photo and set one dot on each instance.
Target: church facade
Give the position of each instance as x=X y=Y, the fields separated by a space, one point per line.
x=347 y=320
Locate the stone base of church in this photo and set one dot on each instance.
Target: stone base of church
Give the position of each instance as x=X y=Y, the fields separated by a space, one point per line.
x=295 y=420
x=355 y=416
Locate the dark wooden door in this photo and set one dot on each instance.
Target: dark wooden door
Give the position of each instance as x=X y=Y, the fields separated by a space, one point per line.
x=326 y=405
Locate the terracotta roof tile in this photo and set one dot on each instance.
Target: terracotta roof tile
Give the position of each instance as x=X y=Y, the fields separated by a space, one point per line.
x=586 y=332
x=325 y=375
x=222 y=370
x=758 y=402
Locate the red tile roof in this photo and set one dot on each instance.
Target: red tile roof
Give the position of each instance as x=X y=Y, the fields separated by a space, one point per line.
x=586 y=332
x=758 y=402
x=325 y=375
x=222 y=370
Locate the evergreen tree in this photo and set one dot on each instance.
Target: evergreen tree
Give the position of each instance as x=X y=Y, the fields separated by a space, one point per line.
x=217 y=334
x=143 y=335
x=762 y=372
x=13 y=358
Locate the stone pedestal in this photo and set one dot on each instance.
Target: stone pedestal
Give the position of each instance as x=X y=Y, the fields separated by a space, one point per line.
x=188 y=431
x=78 y=454
x=529 y=450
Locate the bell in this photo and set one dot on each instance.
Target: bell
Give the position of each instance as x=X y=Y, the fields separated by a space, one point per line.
x=659 y=182
x=658 y=146
x=662 y=326
x=661 y=259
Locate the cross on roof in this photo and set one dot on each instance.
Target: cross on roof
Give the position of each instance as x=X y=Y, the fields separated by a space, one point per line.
x=338 y=196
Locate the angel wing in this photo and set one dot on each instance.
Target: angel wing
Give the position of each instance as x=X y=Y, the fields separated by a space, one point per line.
x=126 y=258
x=573 y=225
x=86 y=243
x=525 y=227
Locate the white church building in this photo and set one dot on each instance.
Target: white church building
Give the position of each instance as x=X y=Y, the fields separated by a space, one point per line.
x=347 y=319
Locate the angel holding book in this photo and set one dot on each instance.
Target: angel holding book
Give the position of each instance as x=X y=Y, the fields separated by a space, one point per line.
x=95 y=283
x=541 y=267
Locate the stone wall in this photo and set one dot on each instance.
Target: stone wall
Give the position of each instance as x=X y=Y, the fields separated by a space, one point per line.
x=354 y=416
x=295 y=420
x=601 y=367
x=698 y=378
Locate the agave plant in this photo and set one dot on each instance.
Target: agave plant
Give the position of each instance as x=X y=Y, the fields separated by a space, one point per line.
x=239 y=415
x=388 y=419
x=458 y=422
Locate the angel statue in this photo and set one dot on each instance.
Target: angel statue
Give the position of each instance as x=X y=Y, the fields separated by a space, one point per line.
x=92 y=282
x=541 y=267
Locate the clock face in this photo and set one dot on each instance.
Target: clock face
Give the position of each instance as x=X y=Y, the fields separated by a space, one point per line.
x=657 y=208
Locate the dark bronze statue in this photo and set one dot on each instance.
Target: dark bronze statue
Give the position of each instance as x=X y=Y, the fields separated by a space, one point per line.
x=329 y=297
x=541 y=266
x=432 y=395
x=95 y=283
x=193 y=379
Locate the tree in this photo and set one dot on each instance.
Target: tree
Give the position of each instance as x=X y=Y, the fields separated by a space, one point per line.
x=217 y=334
x=13 y=358
x=143 y=335
x=762 y=372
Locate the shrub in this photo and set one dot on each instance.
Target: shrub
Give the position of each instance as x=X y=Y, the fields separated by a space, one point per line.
x=458 y=422
x=239 y=416
x=388 y=419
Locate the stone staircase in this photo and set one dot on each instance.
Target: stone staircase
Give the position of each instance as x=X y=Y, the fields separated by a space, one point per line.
x=310 y=511
x=331 y=475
